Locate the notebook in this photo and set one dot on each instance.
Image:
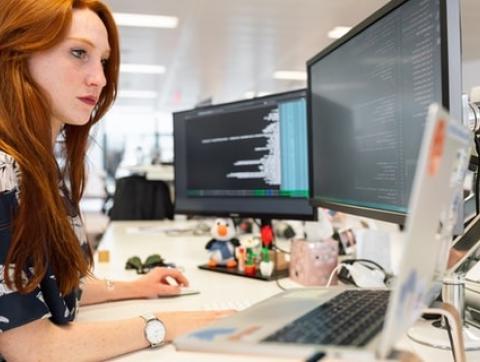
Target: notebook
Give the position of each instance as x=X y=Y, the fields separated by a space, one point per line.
x=346 y=323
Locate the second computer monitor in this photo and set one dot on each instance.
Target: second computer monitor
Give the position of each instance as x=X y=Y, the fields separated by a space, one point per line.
x=368 y=98
x=246 y=158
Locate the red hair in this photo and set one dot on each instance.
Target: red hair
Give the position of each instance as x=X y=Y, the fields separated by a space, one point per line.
x=42 y=234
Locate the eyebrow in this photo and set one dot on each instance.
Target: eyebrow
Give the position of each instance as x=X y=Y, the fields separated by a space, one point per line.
x=86 y=41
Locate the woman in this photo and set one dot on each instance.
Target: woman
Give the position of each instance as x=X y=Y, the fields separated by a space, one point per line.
x=59 y=62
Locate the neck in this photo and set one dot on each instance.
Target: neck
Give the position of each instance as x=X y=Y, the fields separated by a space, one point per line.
x=56 y=128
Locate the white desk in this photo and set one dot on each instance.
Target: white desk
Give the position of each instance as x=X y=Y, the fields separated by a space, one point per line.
x=151 y=172
x=218 y=291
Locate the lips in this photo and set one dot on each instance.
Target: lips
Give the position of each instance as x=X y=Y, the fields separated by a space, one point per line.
x=91 y=101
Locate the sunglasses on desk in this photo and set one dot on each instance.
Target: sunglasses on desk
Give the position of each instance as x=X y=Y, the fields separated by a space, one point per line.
x=152 y=261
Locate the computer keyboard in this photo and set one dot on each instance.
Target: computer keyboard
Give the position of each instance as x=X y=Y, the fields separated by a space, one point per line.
x=351 y=318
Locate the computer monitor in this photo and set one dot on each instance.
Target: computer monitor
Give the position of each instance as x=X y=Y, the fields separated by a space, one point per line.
x=244 y=159
x=368 y=94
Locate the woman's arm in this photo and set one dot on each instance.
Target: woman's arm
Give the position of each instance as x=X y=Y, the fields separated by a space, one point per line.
x=42 y=340
x=151 y=285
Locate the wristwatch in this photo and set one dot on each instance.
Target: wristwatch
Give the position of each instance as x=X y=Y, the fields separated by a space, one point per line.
x=155 y=330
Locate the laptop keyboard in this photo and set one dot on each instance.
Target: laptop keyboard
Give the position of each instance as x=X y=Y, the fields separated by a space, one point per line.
x=351 y=318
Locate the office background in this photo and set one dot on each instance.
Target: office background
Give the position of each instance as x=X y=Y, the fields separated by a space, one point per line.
x=219 y=51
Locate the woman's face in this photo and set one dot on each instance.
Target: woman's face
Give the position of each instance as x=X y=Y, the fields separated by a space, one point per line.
x=71 y=73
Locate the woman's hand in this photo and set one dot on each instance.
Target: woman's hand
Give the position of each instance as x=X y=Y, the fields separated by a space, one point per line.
x=156 y=283
x=178 y=323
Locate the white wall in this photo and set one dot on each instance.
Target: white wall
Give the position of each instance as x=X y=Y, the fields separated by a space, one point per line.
x=471 y=75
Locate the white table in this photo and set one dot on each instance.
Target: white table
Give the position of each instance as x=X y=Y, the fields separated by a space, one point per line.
x=218 y=291
x=151 y=172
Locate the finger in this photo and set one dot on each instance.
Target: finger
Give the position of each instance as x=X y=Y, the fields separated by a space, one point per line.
x=169 y=290
x=177 y=275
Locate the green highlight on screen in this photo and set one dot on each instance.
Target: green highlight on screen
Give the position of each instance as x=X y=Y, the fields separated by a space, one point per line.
x=257 y=193
x=294 y=193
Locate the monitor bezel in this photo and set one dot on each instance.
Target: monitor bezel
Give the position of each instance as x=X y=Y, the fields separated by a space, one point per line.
x=450 y=33
x=182 y=208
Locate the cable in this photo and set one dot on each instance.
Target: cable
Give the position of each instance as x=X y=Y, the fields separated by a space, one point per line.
x=280 y=249
x=257 y=222
x=477 y=178
x=474 y=111
x=368 y=264
x=374 y=263
x=332 y=274
x=476 y=137
x=368 y=261
x=450 y=337
x=280 y=285
x=275 y=268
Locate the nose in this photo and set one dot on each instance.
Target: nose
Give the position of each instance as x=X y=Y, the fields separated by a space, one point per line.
x=96 y=76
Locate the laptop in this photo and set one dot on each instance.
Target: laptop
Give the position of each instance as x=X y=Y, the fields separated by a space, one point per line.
x=345 y=322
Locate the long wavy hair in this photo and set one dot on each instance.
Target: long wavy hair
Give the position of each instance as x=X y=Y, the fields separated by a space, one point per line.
x=42 y=233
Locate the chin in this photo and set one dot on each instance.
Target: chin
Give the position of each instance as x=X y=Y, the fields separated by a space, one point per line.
x=79 y=121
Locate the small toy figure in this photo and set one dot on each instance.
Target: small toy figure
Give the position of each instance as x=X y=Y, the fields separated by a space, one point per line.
x=254 y=244
x=241 y=255
x=222 y=246
x=266 y=234
x=250 y=267
x=266 y=265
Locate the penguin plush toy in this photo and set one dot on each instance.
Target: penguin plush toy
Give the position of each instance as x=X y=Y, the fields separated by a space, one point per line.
x=222 y=246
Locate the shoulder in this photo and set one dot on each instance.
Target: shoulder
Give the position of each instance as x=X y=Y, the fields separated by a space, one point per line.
x=9 y=172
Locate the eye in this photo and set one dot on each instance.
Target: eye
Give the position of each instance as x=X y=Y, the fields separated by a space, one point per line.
x=104 y=62
x=79 y=53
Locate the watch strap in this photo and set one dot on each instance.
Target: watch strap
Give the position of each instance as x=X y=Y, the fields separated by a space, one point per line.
x=148 y=316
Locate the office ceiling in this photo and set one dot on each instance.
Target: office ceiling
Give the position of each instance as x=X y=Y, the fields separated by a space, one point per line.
x=225 y=48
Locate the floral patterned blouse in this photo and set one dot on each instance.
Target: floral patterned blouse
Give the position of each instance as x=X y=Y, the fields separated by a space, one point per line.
x=45 y=301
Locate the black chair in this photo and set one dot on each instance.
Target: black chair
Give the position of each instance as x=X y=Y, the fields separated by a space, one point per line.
x=137 y=198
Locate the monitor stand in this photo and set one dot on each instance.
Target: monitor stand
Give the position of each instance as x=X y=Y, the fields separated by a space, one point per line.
x=456 y=338
x=433 y=334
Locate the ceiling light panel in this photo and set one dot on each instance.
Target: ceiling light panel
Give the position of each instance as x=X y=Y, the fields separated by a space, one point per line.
x=142 y=68
x=338 y=32
x=137 y=94
x=290 y=75
x=146 y=21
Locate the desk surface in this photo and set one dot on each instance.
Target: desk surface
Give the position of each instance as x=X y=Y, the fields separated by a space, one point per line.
x=151 y=172
x=218 y=291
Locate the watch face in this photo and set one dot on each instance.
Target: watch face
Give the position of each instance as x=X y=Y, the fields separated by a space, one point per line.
x=155 y=332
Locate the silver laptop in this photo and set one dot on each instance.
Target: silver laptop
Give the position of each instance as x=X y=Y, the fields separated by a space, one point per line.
x=350 y=322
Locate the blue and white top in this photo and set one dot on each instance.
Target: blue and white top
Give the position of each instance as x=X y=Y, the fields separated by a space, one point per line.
x=45 y=301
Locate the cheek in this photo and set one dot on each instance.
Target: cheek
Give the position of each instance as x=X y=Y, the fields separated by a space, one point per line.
x=54 y=74
x=43 y=67
x=62 y=90
x=47 y=77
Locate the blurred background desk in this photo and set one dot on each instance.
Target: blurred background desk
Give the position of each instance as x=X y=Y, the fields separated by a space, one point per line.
x=151 y=172
x=218 y=291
